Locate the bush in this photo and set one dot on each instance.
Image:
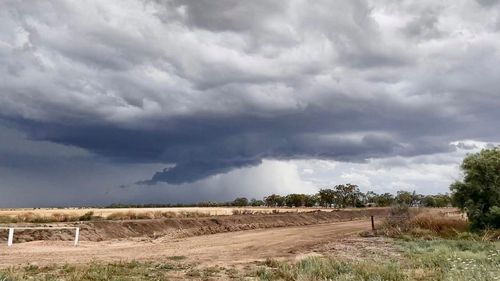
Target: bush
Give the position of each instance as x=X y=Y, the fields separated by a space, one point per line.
x=240 y=202
x=479 y=193
x=87 y=216
x=424 y=225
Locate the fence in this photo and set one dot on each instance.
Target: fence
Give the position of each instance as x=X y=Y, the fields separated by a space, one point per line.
x=10 y=239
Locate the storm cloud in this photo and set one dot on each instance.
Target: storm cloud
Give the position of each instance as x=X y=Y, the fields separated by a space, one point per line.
x=207 y=87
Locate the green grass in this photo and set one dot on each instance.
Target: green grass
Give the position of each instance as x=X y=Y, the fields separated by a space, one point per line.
x=454 y=259
x=447 y=260
x=93 y=272
x=317 y=268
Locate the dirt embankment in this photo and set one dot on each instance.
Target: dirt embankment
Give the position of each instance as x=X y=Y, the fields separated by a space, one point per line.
x=185 y=227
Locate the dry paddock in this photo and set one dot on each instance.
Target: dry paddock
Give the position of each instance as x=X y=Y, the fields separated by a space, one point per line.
x=215 y=240
x=102 y=230
x=105 y=212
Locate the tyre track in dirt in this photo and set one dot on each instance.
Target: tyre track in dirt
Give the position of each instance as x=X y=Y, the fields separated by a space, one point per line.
x=216 y=249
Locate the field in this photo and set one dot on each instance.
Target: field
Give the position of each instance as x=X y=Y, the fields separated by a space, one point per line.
x=300 y=245
x=74 y=214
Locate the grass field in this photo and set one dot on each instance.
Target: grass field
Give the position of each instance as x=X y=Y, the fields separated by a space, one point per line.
x=453 y=260
x=84 y=214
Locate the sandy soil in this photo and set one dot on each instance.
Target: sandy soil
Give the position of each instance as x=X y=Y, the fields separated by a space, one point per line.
x=217 y=249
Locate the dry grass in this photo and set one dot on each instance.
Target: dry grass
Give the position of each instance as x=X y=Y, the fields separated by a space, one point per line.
x=440 y=224
x=423 y=225
x=30 y=217
x=9 y=216
x=72 y=214
x=131 y=215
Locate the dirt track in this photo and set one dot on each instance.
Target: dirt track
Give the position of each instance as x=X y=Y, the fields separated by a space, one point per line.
x=221 y=249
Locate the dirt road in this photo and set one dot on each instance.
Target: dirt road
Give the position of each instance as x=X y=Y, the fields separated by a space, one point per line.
x=217 y=249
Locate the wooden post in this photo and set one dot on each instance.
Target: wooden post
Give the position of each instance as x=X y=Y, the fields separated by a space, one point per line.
x=77 y=236
x=373 y=224
x=11 y=237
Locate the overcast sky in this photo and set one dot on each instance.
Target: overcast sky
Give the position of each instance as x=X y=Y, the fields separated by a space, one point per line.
x=181 y=101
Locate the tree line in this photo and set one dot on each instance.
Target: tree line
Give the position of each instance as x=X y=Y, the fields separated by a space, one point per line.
x=349 y=196
x=339 y=196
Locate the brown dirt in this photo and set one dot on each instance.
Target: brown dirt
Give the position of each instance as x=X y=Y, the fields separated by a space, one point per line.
x=185 y=227
x=359 y=248
x=234 y=248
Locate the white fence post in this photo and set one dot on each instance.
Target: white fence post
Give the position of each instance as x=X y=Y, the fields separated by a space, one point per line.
x=77 y=236
x=11 y=237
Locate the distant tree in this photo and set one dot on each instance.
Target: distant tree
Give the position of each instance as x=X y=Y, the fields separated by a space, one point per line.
x=370 y=197
x=295 y=200
x=404 y=197
x=429 y=201
x=256 y=203
x=347 y=195
x=310 y=200
x=417 y=199
x=479 y=192
x=240 y=202
x=274 y=200
x=384 y=200
x=442 y=200
x=327 y=197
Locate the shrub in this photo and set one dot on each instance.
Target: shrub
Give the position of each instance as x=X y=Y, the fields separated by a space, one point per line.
x=426 y=225
x=87 y=216
x=479 y=193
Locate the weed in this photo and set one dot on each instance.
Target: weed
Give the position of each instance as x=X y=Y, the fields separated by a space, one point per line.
x=317 y=268
x=176 y=258
x=87 y=216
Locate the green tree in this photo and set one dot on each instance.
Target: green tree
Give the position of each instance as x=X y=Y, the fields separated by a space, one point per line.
x=240 y=202
x=384 y=200
x=436 y=201
x=256 y=203
x=327 y=197
x=295 y=200
x=370 y=196
x=347 y=195
x=442 y=200
x=479 y=192
x=310 y=200
x=404 y=197
x=274 y=200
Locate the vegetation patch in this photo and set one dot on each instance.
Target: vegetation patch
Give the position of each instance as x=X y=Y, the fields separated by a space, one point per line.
x=447 y=260
x=94 y=272
x=404 y=222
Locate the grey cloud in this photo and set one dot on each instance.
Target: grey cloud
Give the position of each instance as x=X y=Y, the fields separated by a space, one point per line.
x=488 y=3
x=424 y=27
x=229 y=15
x=205 y=88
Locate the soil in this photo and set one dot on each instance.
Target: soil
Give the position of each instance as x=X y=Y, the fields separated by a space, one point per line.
x=185 y=227
x=224 y=249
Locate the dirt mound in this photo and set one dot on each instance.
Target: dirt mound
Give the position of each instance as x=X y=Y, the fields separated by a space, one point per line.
x=185 y=227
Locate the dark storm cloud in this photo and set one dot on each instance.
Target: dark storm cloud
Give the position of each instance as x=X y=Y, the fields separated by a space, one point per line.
x=206 y=87
x=488 y=3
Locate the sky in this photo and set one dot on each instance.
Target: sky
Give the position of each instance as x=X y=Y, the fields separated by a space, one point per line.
x=182 y=101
